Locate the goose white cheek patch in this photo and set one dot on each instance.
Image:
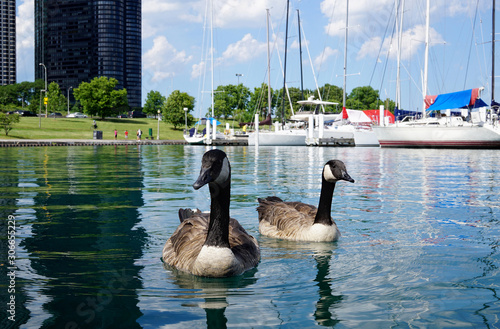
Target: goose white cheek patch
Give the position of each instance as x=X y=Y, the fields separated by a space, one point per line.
x=224 y=173
x=328 y=174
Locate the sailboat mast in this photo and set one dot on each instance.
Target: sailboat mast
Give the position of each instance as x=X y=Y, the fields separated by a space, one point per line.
x=493 y=54
x=268 y=68
x=284 y=67
x=300 y=53
x=212 y=51
x=426 y=57
x=400 y=44
x=345 y=57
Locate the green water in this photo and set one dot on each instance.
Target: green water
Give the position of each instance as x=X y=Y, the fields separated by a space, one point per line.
x=419 y=245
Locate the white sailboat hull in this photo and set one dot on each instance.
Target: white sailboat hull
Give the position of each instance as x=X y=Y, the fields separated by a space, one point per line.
x=362 y=136
x=439 y=136
x=288 y=137
x=194 y=140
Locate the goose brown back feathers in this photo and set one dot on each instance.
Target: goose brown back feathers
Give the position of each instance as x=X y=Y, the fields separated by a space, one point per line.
x=300 y=221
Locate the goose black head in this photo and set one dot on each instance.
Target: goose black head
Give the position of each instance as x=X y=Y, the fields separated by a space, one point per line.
x=334 y=171
x=215 y=168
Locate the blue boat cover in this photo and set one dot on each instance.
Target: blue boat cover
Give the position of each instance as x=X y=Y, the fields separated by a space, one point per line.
x=479 y=103
x=454 y=100
x=202 y=121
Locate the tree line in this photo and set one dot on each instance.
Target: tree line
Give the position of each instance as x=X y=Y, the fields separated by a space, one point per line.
x=239 y=103
x=100 y=97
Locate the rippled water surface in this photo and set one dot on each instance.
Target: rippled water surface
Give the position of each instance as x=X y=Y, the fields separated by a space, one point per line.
x=419 y=245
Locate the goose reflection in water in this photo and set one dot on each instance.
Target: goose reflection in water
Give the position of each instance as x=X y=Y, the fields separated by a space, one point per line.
x=214 y=291
x=322 y=253
x=327 y=299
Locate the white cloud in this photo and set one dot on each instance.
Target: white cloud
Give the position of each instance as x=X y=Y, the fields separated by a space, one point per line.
x=413 y=39
x=25 y=30
x=365 y=16
x=160 y=16
x=25 y=25
x=244 y=50
x=324 y=56
x=155 y=6
x=163 y=60
x=370 y=48
x=197 y=69
x=295 y=44
x=243 y=13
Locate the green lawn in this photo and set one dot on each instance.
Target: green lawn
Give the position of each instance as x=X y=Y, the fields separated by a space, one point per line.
x=75 y=128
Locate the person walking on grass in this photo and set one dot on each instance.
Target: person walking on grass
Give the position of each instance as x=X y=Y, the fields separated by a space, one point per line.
x=126 y=134
x=139 y=134
x=116 y=134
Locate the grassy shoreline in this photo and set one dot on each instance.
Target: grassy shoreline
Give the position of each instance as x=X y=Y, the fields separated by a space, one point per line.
x=80 y=128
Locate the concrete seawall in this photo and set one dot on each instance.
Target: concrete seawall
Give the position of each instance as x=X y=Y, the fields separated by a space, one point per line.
x=83 y=142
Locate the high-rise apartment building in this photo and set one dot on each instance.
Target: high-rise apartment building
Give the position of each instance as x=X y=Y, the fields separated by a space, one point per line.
x=79 y=40
x=7 y=42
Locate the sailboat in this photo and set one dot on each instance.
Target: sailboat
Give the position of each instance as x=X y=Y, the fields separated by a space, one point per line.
x=351 y=127
x=193 y=136
x=286 y=134
x=444 y=130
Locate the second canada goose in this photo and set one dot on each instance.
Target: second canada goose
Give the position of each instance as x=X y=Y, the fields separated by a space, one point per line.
x=212 y=244
x=303 y=222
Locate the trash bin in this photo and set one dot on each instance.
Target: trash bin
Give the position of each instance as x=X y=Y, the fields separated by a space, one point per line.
x=150 y=133
x=97 y=134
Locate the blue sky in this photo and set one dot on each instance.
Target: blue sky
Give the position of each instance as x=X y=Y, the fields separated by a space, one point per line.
x=176 y=55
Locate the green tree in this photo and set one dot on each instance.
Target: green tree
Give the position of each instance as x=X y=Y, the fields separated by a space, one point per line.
x=100 y=97
x=363 y=98
x=389 y=104
x=173 y=110
x=25 y=94
x=56 y=101
x=259 y=102
x=229 y=98
x=331 y=93
x=295 y=96
x=154 y=102
x=7 y=121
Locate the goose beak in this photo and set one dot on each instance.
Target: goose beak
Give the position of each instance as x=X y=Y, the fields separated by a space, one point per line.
x=203 y=179
x=346 y=177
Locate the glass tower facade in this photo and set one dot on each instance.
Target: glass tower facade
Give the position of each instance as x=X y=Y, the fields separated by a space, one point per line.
x=79 y=40
x=7 y=42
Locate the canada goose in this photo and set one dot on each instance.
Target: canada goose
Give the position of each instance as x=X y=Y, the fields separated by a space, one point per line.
x=303 y=222
x=212 y=244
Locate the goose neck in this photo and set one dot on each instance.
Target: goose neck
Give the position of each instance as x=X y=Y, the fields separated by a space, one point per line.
x=218 y=227
x=323 y=215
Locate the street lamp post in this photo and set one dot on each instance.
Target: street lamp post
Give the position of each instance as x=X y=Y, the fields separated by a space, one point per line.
x=186 y=117
x=40 y=110
x=45 y=68
x=158 y=134
x=68 y=97
x=239 y=75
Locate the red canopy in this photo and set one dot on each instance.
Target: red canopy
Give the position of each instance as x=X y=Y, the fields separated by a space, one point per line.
x=374 y=115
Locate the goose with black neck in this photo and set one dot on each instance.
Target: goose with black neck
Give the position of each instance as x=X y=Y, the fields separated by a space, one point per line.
x=300 y=221
x=212 y=244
